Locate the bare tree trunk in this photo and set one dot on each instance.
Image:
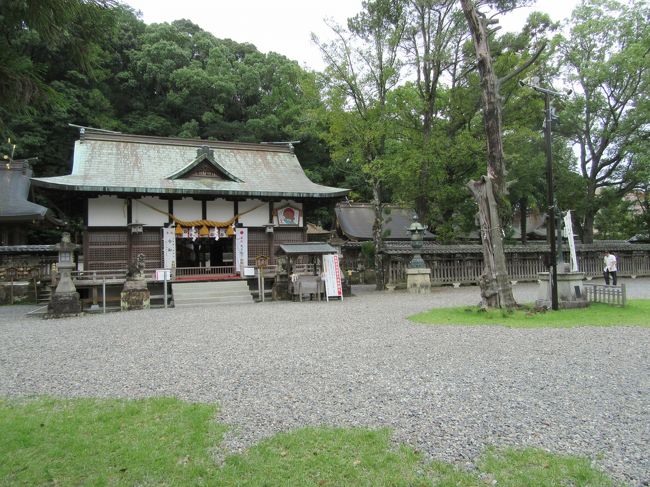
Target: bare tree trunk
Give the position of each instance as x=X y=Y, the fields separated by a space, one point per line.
x=377 y=234
x=523 y=223
x=588 y=226
x=496 y=289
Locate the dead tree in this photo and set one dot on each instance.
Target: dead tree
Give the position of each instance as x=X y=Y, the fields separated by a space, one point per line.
x=496 y=289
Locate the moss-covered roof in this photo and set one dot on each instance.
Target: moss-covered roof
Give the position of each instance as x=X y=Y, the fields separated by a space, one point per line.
x=113 y=163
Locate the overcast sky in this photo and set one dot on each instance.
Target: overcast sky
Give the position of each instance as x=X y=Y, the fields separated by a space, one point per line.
x=285 y=26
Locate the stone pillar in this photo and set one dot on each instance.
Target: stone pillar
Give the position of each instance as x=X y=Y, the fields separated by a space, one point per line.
x=570 y=293
x=418 y=281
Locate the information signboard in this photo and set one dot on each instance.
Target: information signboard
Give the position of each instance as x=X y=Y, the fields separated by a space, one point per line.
x=332 y=276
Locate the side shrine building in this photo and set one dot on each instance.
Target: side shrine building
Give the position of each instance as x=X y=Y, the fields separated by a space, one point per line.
x=186 y=203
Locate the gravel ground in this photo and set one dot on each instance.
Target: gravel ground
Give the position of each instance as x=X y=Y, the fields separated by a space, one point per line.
x=447 y=391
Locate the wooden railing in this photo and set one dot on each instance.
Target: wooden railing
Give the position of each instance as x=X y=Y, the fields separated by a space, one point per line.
x=599 y=293
x=203 y=272
x=27 y=269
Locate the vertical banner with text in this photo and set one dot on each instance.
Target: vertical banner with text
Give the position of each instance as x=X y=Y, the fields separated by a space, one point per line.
x=169 y=247
x=241 y=249
x=568 y=233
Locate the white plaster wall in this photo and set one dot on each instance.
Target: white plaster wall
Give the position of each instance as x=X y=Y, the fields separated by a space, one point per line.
x=220 y=210
x=147 y=216
x=107 y=211
x=282 y=204
x=256 y=218
x=188 y=209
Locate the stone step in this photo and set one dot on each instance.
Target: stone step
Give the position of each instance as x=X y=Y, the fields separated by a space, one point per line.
x=198 y=294
x=209 y=292
x=214 y=302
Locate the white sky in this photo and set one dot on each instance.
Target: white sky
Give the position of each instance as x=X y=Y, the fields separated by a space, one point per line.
x=285 y=26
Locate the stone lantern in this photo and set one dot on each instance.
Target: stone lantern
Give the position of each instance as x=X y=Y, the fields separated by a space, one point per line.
x=65 y=300
x=418 y=276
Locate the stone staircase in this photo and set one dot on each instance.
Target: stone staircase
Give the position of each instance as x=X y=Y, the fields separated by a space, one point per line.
x=44 y=294
x=193 y=294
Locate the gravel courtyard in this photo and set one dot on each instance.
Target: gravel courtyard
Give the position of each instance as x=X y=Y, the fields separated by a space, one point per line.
x=447 y=391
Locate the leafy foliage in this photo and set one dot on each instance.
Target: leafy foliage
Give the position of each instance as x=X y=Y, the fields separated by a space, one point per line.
x=395 y=117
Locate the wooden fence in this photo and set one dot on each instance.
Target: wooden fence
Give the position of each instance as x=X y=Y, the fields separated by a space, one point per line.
x=602 y=293
x=464 y=264
x=26 y=268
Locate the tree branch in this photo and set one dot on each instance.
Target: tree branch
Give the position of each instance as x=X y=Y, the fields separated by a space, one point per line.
x=524 y=66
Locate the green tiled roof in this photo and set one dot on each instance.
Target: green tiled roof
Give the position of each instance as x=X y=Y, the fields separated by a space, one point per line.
x=115 y=163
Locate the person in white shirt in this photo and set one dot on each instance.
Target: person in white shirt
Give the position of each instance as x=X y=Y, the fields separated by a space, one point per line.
x=610 y=267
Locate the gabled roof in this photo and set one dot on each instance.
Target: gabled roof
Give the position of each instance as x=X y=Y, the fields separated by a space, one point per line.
x=14 y=191
x=356 y=219
x=114 y=163
x=211 y=168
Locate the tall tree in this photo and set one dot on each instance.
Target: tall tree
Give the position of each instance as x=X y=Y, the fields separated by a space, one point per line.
x=606 y=60
x=54 y=23
x=362 y=68
x=434 y=29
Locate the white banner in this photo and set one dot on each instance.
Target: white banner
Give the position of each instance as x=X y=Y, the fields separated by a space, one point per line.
x=568 y=233
x=169 y=247
x=332 y=275
x=241 y=249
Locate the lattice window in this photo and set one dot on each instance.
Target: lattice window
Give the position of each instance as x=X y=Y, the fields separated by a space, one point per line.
x=258 y=244
x=106 y=250
x=147 y=243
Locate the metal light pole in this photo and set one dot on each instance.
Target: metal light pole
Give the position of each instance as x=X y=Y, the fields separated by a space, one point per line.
x=550 y=200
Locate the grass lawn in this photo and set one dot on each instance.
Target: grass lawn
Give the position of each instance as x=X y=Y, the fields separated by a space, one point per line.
x=168 y=442
x=635 y=313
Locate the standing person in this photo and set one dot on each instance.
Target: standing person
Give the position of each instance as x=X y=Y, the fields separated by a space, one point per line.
x=610 y=267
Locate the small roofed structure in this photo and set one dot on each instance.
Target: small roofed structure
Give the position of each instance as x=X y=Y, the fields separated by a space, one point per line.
x=17 y=213
x=304 y=257
x=355 y=221
x=300 y=267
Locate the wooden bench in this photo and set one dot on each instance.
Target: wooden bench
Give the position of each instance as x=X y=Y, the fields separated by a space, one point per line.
x=603 y=293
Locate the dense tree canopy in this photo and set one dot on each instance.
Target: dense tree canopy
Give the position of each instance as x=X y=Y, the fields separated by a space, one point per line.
x=396 y=116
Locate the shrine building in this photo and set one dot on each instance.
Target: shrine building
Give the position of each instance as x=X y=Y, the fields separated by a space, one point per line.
x=202 y=207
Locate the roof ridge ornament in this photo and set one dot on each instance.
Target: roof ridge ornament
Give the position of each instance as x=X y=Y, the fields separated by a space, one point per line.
x=205 y=150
